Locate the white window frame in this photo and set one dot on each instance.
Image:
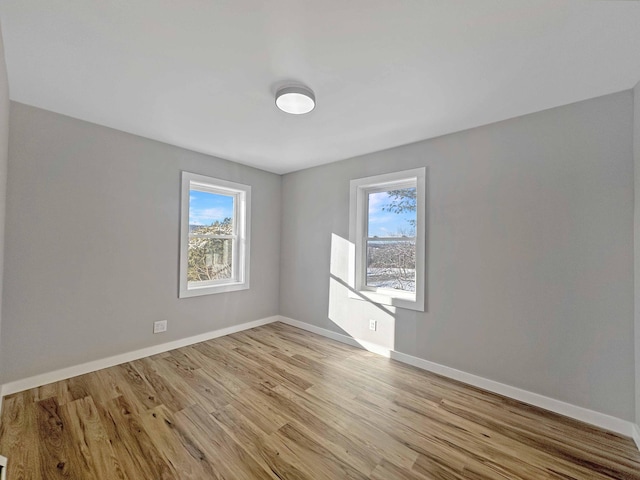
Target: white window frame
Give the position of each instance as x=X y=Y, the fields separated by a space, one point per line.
x=241 y=235
x=358 y=228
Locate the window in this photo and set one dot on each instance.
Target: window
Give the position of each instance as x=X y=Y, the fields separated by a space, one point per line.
x=387 y=227
x=214 y=240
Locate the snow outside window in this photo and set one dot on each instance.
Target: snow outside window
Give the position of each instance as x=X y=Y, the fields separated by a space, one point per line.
x=388 y=230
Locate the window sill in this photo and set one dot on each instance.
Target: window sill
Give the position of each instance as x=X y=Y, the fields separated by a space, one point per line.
x=399 y=300
x=212 y=289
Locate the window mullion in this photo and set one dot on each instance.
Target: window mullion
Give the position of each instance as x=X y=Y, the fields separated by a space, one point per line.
x=211 y=235
x=213 y=262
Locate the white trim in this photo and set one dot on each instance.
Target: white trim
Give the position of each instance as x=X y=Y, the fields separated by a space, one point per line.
x=358 y=219
x=598 y=419
x=241 y=237
x=579 y=413
x=635 y=433
x=338 y=337
x=592 y=417
x=3 y=463
x=64 y=373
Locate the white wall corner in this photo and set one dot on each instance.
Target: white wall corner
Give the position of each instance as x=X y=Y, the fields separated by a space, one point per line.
x=64 y=373
x=636 y=228
x=4 y=161
x=582 y=414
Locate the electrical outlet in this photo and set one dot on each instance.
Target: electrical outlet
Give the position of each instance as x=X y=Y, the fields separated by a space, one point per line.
x=373 y=325
x=160 y=326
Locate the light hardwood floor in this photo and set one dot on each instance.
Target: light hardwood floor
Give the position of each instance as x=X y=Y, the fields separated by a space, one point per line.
x=280 y=403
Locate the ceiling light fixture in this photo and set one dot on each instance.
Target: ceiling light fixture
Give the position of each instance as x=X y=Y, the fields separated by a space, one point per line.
x=296 y=99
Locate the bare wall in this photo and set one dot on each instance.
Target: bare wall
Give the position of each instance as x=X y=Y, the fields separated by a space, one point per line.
x=530 y=253
x=92 y=244
x=636 y=226
x=4 y=158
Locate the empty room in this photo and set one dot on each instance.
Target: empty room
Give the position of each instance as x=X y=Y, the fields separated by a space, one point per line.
x=319 y=240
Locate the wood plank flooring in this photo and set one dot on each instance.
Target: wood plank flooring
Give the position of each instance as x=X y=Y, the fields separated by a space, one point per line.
x=276 y=402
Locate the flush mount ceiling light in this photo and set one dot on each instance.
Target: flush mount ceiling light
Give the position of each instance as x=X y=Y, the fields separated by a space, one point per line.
x=295 y=99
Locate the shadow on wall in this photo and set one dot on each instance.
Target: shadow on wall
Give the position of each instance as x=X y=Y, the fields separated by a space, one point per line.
x=349 y=310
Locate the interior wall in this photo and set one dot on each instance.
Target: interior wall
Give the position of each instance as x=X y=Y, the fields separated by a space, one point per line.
x=530 y=253
x=530 y=249
x=4 y=158
x=636 y=226
x=92 y=244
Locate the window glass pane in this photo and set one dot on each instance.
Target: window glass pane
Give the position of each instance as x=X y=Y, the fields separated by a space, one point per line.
x=392 y=213
x=209 y=259
x=391 y=264
x=214 y=235
x=210 y=213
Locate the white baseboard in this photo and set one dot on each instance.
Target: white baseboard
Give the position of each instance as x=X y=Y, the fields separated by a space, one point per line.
x=3 y=464
x=598 y=419
x=321 y=331
x=64 y=373
x=636 y=435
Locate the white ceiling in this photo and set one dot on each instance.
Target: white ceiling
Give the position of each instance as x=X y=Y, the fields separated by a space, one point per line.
x=202 y=74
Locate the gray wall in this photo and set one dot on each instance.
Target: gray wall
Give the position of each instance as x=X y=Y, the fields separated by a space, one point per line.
x=92 y=244
x=530 y=253
x=4 y=158
x=636 y=225
x=530 y=249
